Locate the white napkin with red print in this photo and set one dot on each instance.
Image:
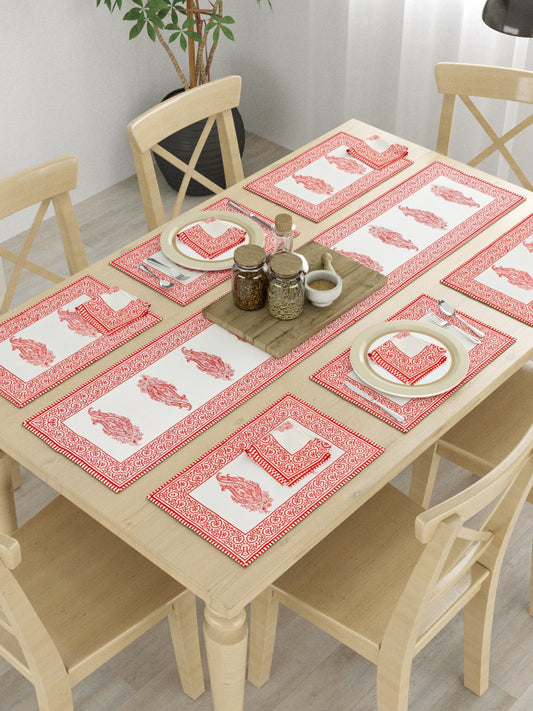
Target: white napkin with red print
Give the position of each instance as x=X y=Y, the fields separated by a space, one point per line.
x=377 y=152
x=211 y=246
x=408 y=357
x=112 y=310
x=289 y=453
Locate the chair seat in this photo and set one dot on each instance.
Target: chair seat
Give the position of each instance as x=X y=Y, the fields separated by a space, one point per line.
x=382 y=530
x=67 y=538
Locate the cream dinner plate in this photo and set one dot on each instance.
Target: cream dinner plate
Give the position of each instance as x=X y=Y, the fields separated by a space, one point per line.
x=440 y=380
x=186 y=257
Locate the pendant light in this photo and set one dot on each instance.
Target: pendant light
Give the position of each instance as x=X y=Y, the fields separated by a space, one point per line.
x=512 y=17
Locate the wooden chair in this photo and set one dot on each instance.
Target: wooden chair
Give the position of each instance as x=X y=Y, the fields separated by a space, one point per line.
x=43 y=183
x=72 y=595
x=389 y=578
x=481 y=440
x=212 y=101
x=474 y=80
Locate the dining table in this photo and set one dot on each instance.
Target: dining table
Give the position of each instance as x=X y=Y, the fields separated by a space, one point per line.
x=144 y=509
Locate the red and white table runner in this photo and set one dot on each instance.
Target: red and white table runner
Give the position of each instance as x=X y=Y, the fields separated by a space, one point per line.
x=501 y=275
x=334 y=374
x=50 y=341
x=323 y=178
x=235 y=504
x=191 y=284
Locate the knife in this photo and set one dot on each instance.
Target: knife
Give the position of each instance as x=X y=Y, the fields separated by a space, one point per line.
x=251 y=215
x=366 y=396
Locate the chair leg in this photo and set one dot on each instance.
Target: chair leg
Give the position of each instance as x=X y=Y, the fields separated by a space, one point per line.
x=531 y=586
x=263 y=623
x=15 y=473
x=478 y=618
x=393 y=677
x=8 y=514
x=183 y=624
x=423 y=476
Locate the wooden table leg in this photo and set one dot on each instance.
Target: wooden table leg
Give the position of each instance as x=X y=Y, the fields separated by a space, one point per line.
x=226 y=641
x=8 y=516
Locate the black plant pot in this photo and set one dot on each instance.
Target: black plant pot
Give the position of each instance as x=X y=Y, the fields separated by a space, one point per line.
x=182 y=144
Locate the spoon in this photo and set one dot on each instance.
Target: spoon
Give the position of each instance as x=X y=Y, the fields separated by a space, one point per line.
x=163 y=283
x=450 y=311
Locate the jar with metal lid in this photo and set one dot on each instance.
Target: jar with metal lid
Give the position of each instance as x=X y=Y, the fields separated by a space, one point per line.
x=285 y=286
x=249 y=278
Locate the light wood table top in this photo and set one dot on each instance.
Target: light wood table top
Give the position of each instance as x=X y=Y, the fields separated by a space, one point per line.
x=224 y=585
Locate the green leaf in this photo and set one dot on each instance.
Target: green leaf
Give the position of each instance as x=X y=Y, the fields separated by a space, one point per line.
x=227 y=20
x=173 y=36
x=216 y=34
x=227 y=32
x=189 y=22
x=134 y=14
x=151 y=31
x=183 y=42
x=193 y=35
x=137 y=29
x=138 y=2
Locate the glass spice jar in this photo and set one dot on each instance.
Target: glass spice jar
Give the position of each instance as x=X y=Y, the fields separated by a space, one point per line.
x=249 y=278
x=285 y=286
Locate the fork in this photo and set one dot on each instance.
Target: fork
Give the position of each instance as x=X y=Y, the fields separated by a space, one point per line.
x=438 y=321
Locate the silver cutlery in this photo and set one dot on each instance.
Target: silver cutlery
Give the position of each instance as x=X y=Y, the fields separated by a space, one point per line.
x=163 y=283
x=169 y=271
x=366 y=396
x=438 y=321
x=251 y=215
x=448 y=310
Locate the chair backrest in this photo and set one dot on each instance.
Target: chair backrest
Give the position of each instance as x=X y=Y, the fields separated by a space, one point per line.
x=212 y=101
x=458 y=557
x=474 y=80
x=45 y=183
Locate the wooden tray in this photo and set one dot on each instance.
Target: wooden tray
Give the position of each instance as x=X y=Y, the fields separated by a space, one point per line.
x=279 y=337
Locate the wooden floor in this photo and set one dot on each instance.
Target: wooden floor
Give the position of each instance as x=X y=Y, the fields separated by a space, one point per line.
x=311 y=671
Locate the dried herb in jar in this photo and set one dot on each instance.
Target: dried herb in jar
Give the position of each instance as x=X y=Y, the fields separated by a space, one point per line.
x=248 y=277
x=286 y=286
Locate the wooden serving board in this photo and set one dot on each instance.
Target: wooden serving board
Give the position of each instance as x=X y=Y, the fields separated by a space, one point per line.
x=279 y=337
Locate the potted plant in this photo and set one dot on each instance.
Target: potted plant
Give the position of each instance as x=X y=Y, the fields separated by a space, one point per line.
x=197 y=31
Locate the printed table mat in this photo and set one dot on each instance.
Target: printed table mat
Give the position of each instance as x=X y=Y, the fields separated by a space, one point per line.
x=416 y=224
x=335 y=373
x=501 y=275
x=50 y=341
x=323 y=179
x=235 y=504
x=126 y=420
x=191 y=284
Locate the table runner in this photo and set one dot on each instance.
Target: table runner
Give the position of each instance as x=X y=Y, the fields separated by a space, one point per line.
x=237 y=506
x=323 y=178
x=501 y=275
x=50 y=341
x=196 y=282
x=336 y=372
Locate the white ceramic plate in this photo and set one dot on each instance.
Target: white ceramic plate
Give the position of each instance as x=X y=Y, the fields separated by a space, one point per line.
x=440 y=380
x=186 y=257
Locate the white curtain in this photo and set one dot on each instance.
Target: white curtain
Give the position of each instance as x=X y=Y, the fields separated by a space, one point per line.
x=392 y=47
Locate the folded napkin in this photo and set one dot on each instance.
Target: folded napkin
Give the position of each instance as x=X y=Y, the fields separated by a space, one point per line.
x=408 y=357
x=288 y=453
x=112 y=310
x=377 y=152
x=209 y=246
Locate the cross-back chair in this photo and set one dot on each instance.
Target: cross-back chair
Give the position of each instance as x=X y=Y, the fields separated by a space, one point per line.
x=72 y=595
x=481 y=440
x=212 y=101
x=474 y=80
x=49 y=182
x=389 y=578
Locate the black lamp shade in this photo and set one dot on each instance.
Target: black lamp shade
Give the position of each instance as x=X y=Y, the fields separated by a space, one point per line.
x=512 y=17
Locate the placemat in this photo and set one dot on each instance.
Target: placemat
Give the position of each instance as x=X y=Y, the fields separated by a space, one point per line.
x=413 y=226
x=231 y=501
x=335 y=373
x=191 y=284
x=323 y=179
x=50 y=341
x=501 y=275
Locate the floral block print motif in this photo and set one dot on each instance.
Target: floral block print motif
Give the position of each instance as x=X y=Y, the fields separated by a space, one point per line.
x=50 y=341
x=235 y=504
x=324 y=178
x=501 y=274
